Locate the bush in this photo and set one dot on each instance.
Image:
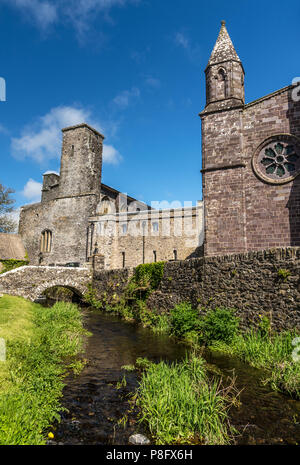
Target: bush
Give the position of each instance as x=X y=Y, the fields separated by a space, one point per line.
x=219 y=324
x=151 y=273
x=9 y=265
x=184 y=319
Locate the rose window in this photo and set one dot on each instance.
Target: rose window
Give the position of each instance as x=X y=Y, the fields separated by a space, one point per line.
x=277 y=160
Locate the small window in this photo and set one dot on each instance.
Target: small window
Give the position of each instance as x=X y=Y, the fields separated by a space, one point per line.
x=155 y=227
x=154 y=256
x=175 y=254
x=72 y=150
x=46 y=241
x=123 y=259
x=124 y=228
x=106 y=206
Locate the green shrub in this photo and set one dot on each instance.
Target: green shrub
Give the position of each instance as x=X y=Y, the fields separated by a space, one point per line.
x=285 y=377
x=264 y=327
x=283 y=274
x=90 y=297
x=151 y=273
x=12 y=264
x=184 y=319
x=161 y=324
x=219 y=324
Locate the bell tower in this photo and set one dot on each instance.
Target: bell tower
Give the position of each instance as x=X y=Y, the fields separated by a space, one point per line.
x=224 y=75
x=222 y=150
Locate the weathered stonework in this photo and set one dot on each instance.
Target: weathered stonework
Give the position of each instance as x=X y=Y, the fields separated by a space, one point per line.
x=250 y=283
x=67 y=201
x=243 y=210
x=31 y=281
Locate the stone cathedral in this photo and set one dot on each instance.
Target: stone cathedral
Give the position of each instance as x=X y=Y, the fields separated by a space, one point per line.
x=251 y=187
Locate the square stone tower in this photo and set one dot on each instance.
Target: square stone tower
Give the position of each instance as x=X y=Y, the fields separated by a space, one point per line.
x=81 y=161
x=55 y=230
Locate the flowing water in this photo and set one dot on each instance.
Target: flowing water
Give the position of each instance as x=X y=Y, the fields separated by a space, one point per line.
x=96 y=404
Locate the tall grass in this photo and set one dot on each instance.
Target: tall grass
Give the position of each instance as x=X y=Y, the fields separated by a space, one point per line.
x=36 y=364
x=272 y=352
x=180 y=405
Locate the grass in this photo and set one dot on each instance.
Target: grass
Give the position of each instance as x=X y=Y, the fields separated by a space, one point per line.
x=42 y=344
x=181 y=406
x=271 y=352
x=15 y=323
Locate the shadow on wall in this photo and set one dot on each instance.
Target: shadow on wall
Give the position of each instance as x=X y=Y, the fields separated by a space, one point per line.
x=63 y=294
x=293 y=204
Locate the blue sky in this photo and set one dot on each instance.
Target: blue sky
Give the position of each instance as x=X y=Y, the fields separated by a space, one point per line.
x=135 y=70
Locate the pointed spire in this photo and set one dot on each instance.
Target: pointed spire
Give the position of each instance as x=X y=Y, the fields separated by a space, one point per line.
x=223 y=49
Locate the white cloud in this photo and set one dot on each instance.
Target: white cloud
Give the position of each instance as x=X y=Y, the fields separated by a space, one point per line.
x=43 y=13
x=152 y=82
x=41 y=141
x=126 y=97
x=111 y=155
x=80 y=13
x=3 y=129
x=184 y=42
x=32 y=190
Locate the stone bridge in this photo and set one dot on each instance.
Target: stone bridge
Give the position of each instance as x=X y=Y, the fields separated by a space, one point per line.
x=31 y=281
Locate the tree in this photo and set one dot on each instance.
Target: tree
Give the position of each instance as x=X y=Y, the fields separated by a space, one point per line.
x=7 y=223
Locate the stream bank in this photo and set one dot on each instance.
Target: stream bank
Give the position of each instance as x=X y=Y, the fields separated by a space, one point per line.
x=95 y=406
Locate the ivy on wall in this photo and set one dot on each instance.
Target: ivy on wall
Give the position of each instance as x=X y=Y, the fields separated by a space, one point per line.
x=149 y=274
x=11 y=264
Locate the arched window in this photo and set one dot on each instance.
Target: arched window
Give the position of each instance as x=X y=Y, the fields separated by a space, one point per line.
x=221 y=84
x=124 y=228
x=105 y=206
x=46 y=241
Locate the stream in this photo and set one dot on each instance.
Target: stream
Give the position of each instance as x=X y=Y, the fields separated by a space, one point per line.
x=94 y=405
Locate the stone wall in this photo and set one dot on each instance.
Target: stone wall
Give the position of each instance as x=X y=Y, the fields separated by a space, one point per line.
x=31 y=281
x=247 y=282
x=111 y=283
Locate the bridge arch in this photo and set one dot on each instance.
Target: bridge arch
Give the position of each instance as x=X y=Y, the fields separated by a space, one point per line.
x=77 y=289
x=32 y=281
x=63 y=293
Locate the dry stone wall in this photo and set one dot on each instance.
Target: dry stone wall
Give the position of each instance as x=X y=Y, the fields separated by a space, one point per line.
x=250 y=283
